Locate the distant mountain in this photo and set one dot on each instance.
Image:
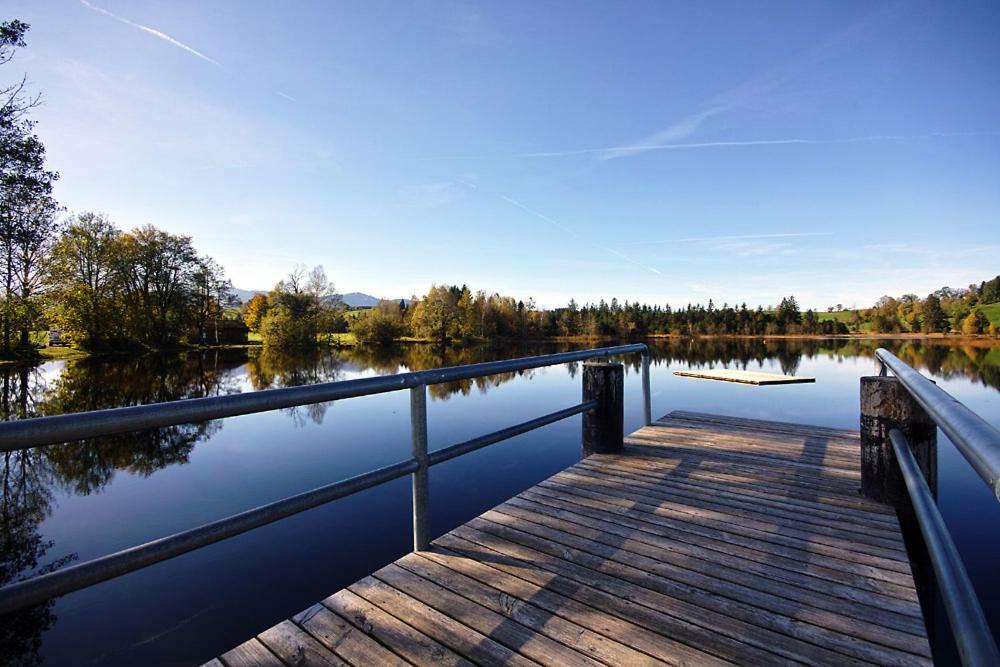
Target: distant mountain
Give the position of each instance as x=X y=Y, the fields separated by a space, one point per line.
x=245 y=295
x=351 y=299
x=358 y=300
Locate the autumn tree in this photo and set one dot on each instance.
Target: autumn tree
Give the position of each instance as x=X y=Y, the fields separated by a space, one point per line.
x=255 y=311
x=975 y=323
x=437 y=315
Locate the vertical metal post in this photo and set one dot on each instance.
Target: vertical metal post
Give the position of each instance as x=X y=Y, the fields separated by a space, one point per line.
x=418 y=434
x=647 y=412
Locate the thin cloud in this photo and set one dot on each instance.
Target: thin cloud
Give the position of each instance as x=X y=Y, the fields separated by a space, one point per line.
x=751 y=92
x=757 y=142
x=152 y=31
x=285 y=96
x=571 y=232
x=741 y=237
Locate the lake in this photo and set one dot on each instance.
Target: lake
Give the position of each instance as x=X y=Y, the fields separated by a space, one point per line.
x=77 y=501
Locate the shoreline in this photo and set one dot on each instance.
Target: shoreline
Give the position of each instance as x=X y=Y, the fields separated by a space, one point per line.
x=72 y=354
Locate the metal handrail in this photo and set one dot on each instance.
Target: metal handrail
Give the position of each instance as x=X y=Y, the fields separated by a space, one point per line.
x=30 y=433
x=965 y=615
x=976 y=439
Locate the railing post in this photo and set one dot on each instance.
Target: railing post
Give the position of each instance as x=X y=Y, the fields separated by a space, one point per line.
x=418 y=434
x=604 y=426
x=885 y=405
x=647 y=411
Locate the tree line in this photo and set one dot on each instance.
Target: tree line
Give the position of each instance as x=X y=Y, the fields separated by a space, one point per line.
x=455 y=313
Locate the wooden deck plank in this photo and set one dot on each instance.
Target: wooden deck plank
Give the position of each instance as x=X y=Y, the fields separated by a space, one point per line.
x=766 y=552
x=533 y=634
x=338 y=635
x=514 y=595
x=438 y=626
x=718 y=602
x=709 y=540
x=296 y=647
x=250 y=653
x=576 y=643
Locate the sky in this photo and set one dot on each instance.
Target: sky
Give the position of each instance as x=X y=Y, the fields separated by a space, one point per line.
x=666 y=152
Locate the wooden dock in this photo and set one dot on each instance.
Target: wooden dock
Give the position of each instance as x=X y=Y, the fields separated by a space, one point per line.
x=743 y=377
x=709 y=540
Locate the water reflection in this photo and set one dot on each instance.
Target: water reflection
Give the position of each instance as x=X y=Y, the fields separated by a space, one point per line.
x=29 y=481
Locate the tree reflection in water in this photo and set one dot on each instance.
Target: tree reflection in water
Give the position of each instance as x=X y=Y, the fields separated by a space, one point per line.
x=30 y=479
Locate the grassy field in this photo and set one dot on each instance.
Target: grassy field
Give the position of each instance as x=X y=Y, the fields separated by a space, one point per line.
x=992 y=313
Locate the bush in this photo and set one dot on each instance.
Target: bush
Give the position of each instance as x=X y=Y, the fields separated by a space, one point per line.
x=281 y=329
x=376 y=327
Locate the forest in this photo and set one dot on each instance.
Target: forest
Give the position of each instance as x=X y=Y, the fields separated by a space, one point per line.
x=455 y=313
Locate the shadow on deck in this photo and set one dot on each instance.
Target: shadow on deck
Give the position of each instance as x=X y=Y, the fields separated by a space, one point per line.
x=710 y=540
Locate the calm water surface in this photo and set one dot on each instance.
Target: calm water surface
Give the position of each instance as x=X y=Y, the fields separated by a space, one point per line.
x=75 y=502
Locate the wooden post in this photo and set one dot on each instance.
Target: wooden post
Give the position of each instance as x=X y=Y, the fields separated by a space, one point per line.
x=604 y=427
x=885 y=405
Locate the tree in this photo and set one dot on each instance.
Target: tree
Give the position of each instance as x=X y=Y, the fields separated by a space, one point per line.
x=256 y=310
x=157 y=270
x=788 y=313
x=437 y=315
x=975 y=323
x=27 y=210
x=380 y=325
x=297 y=307
x=932 y=317
x=83 y=279
x=211 y=294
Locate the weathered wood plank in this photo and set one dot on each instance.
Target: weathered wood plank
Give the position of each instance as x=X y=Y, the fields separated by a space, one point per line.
x=727 y=614
x=767 y=426
x=725 y=496
x=406 y=641
x=533 y=635
x=795 y=559
x=607 y=604
x=295 y=647
x=610 y=641
x=708 y=540
x=339 y=636
x=440 y=627
x=853 y=610
x=250 y=654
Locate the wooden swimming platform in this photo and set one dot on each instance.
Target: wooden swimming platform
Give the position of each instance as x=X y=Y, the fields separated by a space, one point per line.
x=744 y=377
x=709 y=540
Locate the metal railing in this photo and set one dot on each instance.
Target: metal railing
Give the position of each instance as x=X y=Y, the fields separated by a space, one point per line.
x=976 y=439
x=979 y=443
x=59 y=429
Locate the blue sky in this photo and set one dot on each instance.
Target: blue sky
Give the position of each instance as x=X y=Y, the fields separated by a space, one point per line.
x=660 y=151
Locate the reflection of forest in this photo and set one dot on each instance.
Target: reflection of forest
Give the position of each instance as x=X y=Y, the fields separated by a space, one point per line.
x=943 y=358
x=30 y=479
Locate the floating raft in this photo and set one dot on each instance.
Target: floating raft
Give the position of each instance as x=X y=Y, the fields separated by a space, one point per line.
x=745 y=377
x=708 y=541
